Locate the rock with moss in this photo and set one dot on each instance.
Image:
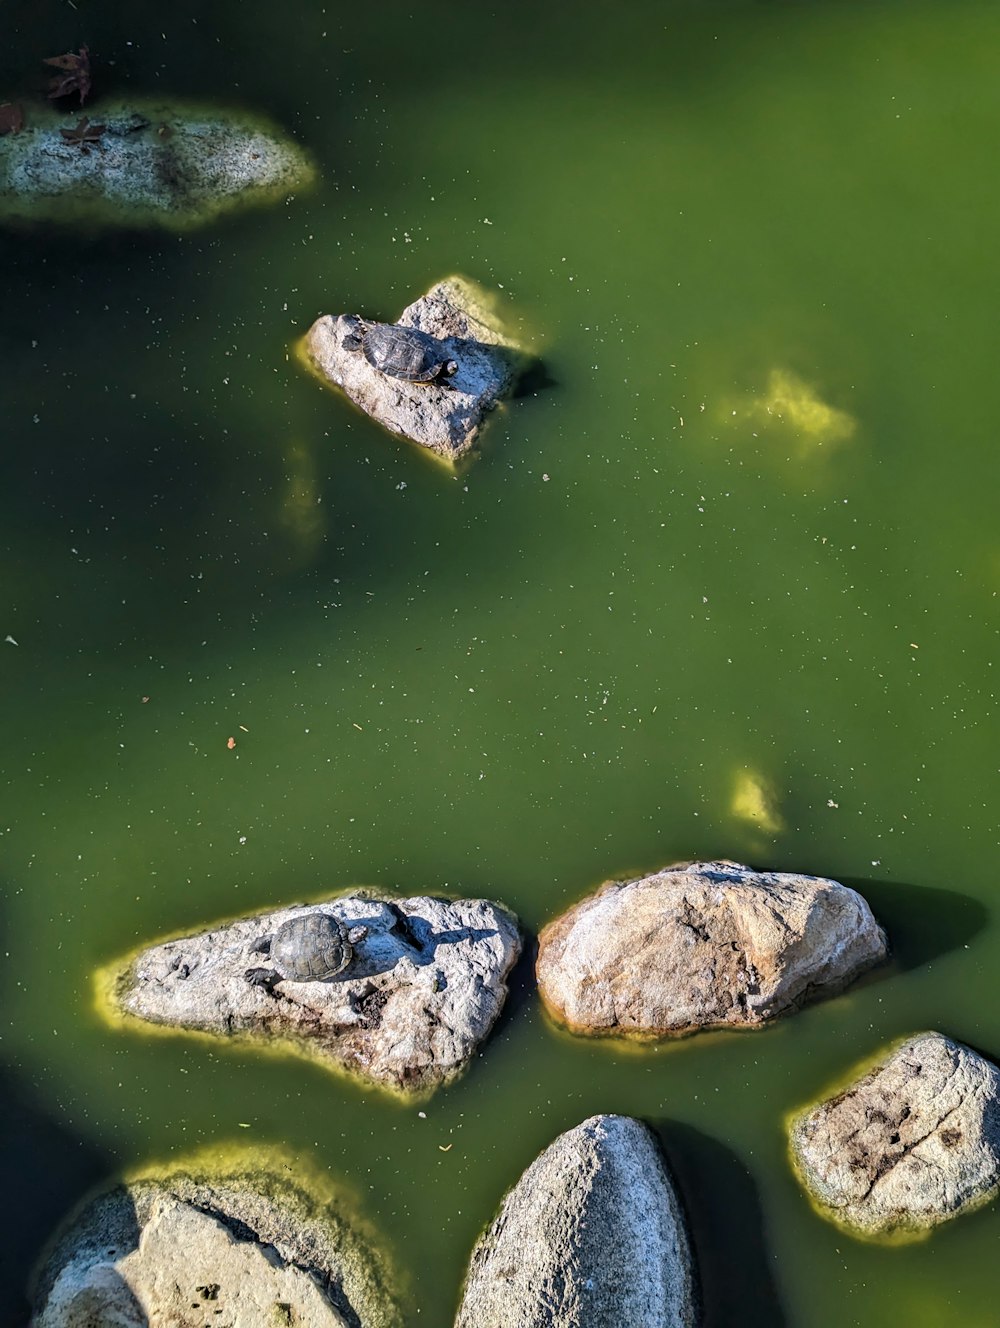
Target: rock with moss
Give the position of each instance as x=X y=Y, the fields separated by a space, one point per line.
x=144 y=163
x=913 y=1141
x=241 y=1246
x=445 y=416
x=425 y=983
x=702 y=945
x=592 y=1236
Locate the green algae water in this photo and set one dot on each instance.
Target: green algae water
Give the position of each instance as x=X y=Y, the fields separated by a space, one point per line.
x=722 y=583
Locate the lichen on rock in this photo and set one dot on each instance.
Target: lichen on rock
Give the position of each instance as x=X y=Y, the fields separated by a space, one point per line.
x=145 y=163
x=913 y=1141
x=425 y=986
x=446 y=418
x=593 y=1235
x=702 y=945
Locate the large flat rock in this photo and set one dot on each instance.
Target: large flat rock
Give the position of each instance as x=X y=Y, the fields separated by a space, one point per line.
x=447 y=420
x=172 y=164
x=591 y=1236
x=426 y=985
x=234 y=1250
x=702 y=945
x=912 y=1142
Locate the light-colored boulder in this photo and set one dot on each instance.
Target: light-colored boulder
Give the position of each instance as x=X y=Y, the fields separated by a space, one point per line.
x=702 y=945
x=155 y=163
x=238 y=1248
x=446 y=419
x=912 y=1142
x=591 y=1236
x=425 y=987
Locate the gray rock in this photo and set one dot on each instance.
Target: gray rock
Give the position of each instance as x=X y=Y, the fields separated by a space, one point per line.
x=702 y=945
x=914 y=1141
x=591 y=1236
x=445 y=419
x=243 y=1246
x=156 y=163
x=426 y=984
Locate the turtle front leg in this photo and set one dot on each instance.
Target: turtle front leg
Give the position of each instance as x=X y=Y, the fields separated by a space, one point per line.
x=267 y=978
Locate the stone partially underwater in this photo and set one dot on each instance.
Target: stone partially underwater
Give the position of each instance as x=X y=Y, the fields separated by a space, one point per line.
x=702 y=945
x=241 y=1245
x=591 y=1236
x=445 y=416
x=141 y=162
x=423 y=988
x=909 y=1144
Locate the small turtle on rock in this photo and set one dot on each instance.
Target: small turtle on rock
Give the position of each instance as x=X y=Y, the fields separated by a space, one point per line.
x=311 y=947
x=402 y=352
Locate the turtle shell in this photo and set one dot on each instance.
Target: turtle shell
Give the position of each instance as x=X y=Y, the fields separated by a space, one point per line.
x=403 y=352
x=311 y=947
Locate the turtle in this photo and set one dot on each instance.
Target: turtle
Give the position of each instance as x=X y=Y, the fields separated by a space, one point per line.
x=310 y=947
x=402 y=352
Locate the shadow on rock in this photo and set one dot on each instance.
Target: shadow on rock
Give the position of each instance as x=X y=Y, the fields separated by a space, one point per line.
x=921 y=921
x=50 y=1168
x=726 y=1225
x=417 y=934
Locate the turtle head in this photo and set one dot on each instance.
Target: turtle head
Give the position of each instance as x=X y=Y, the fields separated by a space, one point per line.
x=355 y=339
x=357 y=934
x=450 y=368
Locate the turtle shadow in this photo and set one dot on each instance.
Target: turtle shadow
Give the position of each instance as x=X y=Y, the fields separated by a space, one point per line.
x=532 y=378
x=922 y=922
x=49 y=1167
x=726 y=1225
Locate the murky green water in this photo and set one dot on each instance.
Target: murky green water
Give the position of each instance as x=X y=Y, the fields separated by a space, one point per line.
x=749 y=527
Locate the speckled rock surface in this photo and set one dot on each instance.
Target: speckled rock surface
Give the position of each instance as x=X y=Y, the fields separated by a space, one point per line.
x=702 y=945
x=591 y=1236
x=445 y=419
x=233 y=1250
x=157 y=163
x=914 y=1141
x=425 y=987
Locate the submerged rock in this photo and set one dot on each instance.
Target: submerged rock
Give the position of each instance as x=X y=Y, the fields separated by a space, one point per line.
x=424 y=987
x=245 y=1246
x=914 y=1141
x=591 y=1236
x=141 y=163
x=444 y=416
x=702 y=945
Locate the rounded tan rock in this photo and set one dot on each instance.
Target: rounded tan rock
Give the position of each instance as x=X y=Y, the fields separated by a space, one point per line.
x=702 y=945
